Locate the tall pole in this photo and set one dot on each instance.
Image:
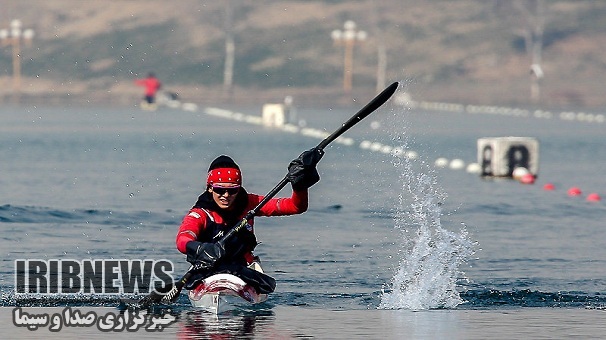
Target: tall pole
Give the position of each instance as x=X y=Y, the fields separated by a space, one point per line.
x=534 y=14
x=348 y=37
x=381 y=66
x=13 y=37
x=536 y=51
x=16 y=66
x=377 y=31
x=348 y=65
x=230 y=50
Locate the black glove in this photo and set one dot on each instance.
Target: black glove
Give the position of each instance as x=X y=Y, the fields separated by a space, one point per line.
x=302 y=172
x=205 y=255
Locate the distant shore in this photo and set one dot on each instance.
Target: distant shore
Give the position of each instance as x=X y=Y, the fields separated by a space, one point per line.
x=38 y=92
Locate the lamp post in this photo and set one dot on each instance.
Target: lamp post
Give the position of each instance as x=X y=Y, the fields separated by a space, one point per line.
x=13 y=37
x=348 y=37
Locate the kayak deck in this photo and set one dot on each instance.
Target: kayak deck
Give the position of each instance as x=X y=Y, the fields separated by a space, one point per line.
x=221 y=293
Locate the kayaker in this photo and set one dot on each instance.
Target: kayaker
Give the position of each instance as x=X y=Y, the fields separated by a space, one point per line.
x=224 y=203
x=152 y=85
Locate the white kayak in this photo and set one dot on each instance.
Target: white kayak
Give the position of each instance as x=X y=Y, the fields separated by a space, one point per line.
x=221 y=293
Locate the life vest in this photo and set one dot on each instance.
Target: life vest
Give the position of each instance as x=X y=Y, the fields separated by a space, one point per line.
x=238 y=248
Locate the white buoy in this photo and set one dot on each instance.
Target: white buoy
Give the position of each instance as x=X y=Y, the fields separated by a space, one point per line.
x=365 y=144
x=386 y=149
x=189 y=107
x=457 y=164
x=412 y=154
x=441 y=162
x=474 y=168
x=397 y=151
x=345 y=140
x=376 y=146
x=290 y=128
x=519 y=172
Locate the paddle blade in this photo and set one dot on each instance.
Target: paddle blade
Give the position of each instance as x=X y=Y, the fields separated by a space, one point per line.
x=374 y=104
x=171 y=296
x=159 y=296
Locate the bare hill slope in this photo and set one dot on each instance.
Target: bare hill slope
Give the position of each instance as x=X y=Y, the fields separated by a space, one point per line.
x=460 y=51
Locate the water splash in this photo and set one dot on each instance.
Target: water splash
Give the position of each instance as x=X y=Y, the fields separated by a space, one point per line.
x=427 y=275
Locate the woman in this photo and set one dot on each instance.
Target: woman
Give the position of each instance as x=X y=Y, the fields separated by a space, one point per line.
x=224 y=203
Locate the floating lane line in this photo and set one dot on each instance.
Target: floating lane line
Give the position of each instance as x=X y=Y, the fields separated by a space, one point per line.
x=570 y=116
x=398 y=151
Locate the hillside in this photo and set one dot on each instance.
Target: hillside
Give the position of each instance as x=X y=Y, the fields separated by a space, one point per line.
x=457 y=51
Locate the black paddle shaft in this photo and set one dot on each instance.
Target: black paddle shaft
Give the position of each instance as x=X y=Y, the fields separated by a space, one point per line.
x=374 y=104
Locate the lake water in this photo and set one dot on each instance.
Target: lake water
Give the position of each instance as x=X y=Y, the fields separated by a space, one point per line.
x=390 y=247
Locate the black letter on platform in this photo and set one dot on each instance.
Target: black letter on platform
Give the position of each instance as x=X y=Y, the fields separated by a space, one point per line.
x=53 y=276
x=162 y=270
x=37 y=277
x=92 y=276
x=70 y=282
x=20 y=276
x=110 y=276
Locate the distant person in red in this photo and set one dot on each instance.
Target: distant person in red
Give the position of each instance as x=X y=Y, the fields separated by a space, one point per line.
x=152 y=85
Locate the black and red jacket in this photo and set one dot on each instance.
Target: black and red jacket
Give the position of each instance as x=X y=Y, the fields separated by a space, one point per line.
x=206 y=222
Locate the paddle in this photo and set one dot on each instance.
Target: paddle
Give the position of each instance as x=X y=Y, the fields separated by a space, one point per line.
x=170 y=294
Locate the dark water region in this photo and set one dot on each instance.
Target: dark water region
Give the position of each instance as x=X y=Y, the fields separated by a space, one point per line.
x=364 y=289
x=106 y=183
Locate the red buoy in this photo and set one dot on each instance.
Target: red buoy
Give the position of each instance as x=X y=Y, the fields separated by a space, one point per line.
x=527 y=179
x=548 y=186
x=574 y=191
x=593 y=197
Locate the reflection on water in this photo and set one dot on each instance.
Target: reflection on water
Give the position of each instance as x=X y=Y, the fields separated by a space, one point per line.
x=234 y=325
x=290 y=322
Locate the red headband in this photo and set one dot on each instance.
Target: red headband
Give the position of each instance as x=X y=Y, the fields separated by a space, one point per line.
x=224 y=175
